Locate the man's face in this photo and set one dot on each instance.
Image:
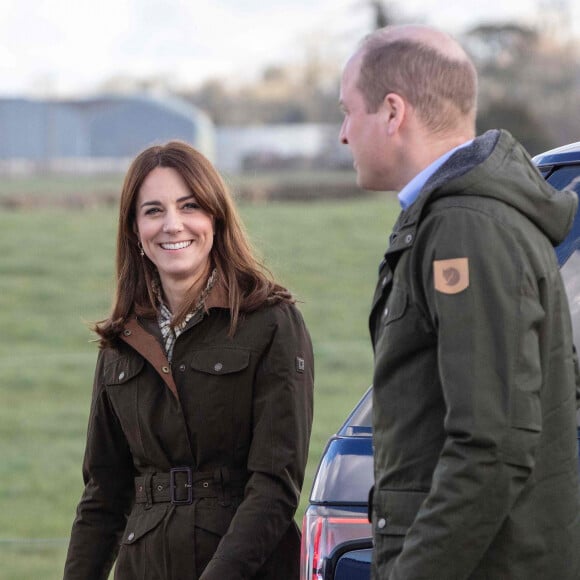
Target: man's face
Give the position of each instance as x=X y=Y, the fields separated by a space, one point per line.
x=365 y=133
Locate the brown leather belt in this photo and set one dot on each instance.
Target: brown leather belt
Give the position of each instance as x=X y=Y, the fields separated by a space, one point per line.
x=181 y=485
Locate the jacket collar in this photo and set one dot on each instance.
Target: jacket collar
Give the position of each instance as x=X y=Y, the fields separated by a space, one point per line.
x=462 y=162
x=218 y=296
x=143 y=336
x=151 y=349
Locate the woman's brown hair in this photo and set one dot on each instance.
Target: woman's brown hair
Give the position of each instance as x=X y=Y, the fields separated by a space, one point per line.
x=247 y=283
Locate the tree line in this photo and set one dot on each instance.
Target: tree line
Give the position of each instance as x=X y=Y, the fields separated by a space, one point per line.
x=529 y=85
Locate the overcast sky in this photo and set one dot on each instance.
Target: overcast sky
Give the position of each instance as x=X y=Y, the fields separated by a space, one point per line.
x=68 y=46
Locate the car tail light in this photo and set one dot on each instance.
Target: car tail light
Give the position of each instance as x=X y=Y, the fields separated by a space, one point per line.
x=321 y=534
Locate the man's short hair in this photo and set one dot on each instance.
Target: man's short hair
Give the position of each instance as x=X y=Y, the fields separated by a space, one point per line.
x=441 y=89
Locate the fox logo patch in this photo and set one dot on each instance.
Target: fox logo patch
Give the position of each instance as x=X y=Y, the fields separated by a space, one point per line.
x=451 y=276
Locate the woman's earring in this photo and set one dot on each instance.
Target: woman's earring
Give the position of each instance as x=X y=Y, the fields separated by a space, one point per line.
x=140 y=246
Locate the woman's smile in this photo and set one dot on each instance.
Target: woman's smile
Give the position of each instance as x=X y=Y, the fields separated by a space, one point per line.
x=176 y=245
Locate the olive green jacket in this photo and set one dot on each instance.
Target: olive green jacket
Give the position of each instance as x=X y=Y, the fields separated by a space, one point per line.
x=238 y=410
x=476 y=463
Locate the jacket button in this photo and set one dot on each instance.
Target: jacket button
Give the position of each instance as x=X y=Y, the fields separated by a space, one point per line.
x=218 y=367
x=165 y=370
x=131 y=536
x=121 y=375
x=182 y=368
x=381 y=523
x=127 y=332
x=408 y=238
x=159 y=488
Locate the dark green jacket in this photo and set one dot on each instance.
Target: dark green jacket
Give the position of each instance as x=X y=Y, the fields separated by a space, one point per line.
x=476 y=464
x=238 y=411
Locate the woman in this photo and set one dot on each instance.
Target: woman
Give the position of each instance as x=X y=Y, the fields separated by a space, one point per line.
x=202 y=400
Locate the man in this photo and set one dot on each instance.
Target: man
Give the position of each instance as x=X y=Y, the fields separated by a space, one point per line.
x=474 y=385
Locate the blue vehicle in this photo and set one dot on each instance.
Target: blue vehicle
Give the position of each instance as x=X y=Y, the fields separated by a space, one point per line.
x=336 y=533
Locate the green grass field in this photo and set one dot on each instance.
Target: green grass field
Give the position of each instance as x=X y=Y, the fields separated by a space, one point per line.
x=56 y=185
x=56 y=274
x=49 y=186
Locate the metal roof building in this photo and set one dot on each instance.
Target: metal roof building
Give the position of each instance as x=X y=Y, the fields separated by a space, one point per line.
x=104 y=127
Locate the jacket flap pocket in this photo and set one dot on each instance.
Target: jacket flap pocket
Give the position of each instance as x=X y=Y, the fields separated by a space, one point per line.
x=526 y=410
x=122 y=370
x=213 y=518
x=395 y=511
x=519 y=445
x=396 y=305
x=142 y=521
x=220 y=361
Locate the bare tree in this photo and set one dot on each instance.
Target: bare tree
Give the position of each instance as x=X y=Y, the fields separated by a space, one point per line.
x=382 y=16
x=528 y=82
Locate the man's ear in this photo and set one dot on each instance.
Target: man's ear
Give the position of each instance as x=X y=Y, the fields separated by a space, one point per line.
x=394 y=109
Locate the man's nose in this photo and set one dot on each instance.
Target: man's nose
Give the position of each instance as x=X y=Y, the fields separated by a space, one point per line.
x=342 y=135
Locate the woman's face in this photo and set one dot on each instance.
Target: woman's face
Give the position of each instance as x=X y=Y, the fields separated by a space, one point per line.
x=176 y=234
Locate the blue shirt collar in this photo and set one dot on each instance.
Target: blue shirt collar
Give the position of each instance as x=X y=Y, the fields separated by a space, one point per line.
x=409 y=194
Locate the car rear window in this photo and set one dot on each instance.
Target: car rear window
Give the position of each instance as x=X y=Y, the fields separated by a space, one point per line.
x=566 y=177
x=359 y=422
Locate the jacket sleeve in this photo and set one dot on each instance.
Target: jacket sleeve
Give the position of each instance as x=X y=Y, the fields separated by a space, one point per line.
x=490 y=363
x=107 y=496
x=282 y=411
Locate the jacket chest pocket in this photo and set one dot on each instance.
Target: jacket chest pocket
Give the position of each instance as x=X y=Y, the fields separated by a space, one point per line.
x=122 y=370
x=395 y=307
x=122 y=379
x=394 y=323
x=401 y=329
x=220 y=376
x=220 y=362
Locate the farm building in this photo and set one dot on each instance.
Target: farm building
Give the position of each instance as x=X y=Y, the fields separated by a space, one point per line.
x=113 y=128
